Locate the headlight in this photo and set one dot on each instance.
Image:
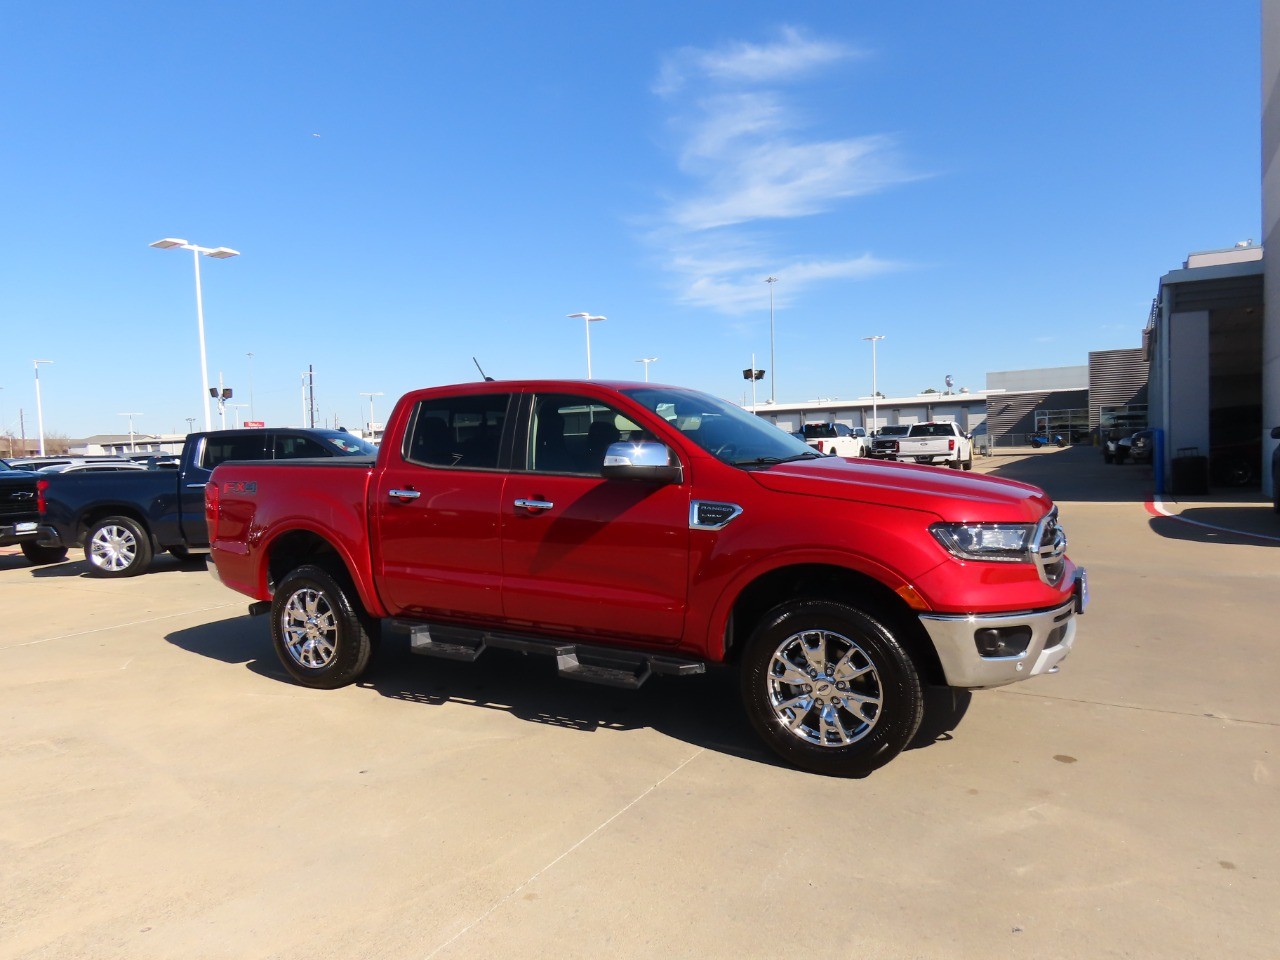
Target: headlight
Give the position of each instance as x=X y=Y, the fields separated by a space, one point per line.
x=1008 y=542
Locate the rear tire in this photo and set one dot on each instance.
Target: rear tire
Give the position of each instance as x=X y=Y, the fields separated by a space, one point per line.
x=39 y=556
x=322 y=637
x=829 y=688
x=117 y=547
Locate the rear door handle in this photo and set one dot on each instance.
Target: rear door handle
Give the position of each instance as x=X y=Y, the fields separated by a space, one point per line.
x=534 y=505
x=404 y=494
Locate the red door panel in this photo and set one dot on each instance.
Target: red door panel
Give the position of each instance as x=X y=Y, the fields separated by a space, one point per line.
x=608 y=558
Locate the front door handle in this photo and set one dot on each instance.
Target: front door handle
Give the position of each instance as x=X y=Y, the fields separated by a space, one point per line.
x=534 y=505
x=404 y=494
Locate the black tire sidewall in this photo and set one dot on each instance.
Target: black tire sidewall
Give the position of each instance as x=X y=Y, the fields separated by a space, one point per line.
x=903 y=699
x=353 y=644
x=141 y=558
x=39 y=556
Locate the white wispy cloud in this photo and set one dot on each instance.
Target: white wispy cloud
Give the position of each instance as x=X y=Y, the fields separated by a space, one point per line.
x=792 y=55
x=743 y=150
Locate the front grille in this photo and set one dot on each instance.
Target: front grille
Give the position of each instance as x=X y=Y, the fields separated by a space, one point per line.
x=1051 y=549
x=19 y=501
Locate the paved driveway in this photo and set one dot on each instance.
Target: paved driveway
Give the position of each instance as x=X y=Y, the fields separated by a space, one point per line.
x=165 y=792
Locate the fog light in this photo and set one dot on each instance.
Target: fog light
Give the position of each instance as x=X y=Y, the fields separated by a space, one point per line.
x=1002 y=641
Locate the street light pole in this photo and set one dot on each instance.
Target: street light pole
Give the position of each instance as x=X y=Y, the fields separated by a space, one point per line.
x=133 y=448
x=646 y=361
x=39 y=408
x=587 y=320
x=217 y=253
x=377 y=393
x=874 y=392
x=773 y=361
x=251 y=416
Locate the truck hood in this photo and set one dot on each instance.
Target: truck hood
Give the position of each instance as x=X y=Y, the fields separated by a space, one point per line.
x=949 y=494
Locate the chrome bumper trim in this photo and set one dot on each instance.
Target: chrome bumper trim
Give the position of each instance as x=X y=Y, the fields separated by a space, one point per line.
x=1053 y=633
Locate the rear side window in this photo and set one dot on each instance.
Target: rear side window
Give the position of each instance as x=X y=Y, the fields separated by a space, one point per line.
x=289 y=447
x=218 y=449
x=462 y=432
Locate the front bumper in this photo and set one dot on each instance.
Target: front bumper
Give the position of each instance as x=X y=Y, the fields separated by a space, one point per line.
x=19 y=532
x=1053 y=633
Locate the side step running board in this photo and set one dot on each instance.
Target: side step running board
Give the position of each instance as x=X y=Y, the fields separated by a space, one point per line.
x=611 y=667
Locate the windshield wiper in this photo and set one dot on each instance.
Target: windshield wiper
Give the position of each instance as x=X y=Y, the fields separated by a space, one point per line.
x=770 y=461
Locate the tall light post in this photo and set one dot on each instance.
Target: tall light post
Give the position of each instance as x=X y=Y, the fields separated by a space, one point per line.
x=237 y=419
x=874 y=392
x=587 y=320
x=753 y=375
x=191 y=424
x=217 y=253
x=251 y=416
x=132 y=446
x=376 y=393
x=646 y=361
x=39 y=408
x=773 y=361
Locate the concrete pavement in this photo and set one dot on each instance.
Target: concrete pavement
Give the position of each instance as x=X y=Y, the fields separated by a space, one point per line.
x=167 y=793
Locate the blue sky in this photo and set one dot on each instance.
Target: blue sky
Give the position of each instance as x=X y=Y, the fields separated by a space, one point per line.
x=990 y=186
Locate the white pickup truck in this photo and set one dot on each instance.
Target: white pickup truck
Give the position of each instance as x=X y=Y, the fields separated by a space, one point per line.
x=936 y=443
x=835 y=439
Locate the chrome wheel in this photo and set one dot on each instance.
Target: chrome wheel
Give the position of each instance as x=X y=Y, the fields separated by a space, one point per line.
x=113 y=548
x=824 y=688
x=309 y=627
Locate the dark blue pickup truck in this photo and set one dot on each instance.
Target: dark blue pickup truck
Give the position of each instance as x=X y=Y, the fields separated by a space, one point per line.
x=123 y=519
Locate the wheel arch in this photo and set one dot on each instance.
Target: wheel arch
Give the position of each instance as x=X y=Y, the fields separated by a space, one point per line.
x=825 y=581
x=95 y=514
x=298 y=546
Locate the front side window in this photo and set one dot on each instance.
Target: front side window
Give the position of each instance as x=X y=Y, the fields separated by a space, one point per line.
x=570 y=434
x=726 y=431
x=461 y=432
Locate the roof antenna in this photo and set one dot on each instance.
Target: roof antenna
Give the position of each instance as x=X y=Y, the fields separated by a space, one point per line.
x=481 y=369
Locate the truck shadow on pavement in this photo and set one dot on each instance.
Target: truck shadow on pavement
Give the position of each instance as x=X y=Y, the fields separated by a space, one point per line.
x=76 y=566
x=1244 y=525
x=703 y=710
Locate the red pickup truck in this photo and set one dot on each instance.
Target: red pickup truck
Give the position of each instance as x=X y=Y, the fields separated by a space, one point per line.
x=633 y=529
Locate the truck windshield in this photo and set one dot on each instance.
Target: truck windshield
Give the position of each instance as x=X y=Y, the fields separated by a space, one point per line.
x=724 y=430
x=348 y=445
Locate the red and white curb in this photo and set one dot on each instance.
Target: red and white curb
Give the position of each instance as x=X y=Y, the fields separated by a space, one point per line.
x=1155 y=506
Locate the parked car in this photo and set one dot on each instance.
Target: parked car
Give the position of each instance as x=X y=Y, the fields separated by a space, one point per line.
x=92 y=466
x=884 y=442
x=625 y=530
x=835 y=439
x=1142 y=446
x=124 y=517
x=20 y=515
x=1111 y=444
x=39 y=463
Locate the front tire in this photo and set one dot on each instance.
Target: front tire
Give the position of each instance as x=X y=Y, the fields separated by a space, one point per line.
x=829 y=688
x=39 y=556
x=117 y=547
x=321 y=637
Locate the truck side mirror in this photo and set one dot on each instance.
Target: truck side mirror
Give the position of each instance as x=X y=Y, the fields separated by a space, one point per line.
x=647 y=461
